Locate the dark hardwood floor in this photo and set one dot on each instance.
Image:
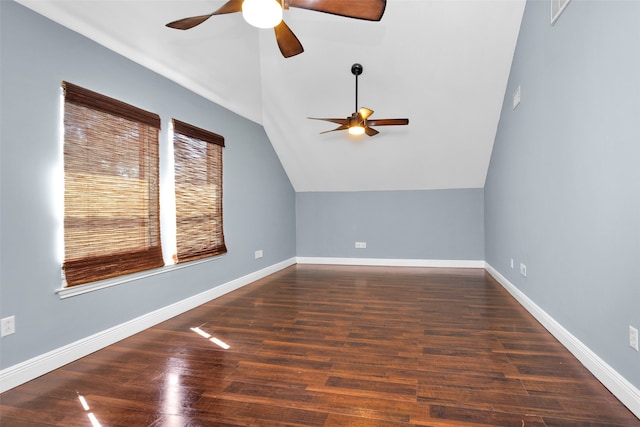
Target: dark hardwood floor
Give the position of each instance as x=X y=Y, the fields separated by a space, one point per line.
x=332 y=346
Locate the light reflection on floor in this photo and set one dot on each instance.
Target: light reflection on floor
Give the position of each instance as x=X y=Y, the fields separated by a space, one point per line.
x=172 y=400
x=85 y=406
x=208 y=336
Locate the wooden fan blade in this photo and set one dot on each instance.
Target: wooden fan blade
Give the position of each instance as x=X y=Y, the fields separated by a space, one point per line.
x=370 y=131
x=365 y=113
x=229 y=7
x=343 y=127
x=287 y=41
x=338 y=121
x=370 y=10
x=387 y=122
x=186 y=23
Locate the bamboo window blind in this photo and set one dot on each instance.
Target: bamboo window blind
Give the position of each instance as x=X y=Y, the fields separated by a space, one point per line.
x=111 y=197
x=198 y=189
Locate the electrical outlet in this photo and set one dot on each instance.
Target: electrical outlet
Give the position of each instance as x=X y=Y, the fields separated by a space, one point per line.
x=523 y=269
x=259 y=254
x=7 y=326
x=361 y=245
x=633 y=338
x=511 y=262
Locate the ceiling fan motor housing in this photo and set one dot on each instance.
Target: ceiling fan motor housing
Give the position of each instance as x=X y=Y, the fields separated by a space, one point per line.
x=355 y=120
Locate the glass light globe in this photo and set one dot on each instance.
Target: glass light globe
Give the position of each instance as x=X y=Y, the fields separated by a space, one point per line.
x=356 y=130
x=262 y=13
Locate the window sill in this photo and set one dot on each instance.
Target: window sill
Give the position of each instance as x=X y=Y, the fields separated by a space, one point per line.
x=72 y=291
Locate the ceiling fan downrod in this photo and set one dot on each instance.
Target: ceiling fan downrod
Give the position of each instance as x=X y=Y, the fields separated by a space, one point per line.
x=356 y=70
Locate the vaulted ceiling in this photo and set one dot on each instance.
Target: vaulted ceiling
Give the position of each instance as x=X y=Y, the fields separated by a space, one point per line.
x=443 y=64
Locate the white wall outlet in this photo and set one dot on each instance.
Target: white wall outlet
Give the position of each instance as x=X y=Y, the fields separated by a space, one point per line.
x=259 y=254
x=511 y=262
x=523 y=269
x=633 y=338
x=516 y=97
x=361 y=245
x=8 y=326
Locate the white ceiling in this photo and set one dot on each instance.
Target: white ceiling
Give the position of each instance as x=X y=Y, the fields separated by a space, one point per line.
x=443 y=64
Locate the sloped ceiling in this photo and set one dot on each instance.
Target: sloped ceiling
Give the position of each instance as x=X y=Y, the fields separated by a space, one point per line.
x=443 y=64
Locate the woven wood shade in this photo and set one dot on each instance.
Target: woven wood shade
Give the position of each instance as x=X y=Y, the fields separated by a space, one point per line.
x=198 y=186
x=111 y=197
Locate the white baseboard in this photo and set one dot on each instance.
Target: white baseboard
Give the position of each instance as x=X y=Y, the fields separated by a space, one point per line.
x=26 y=371
x=384 y=262
x=626 y=392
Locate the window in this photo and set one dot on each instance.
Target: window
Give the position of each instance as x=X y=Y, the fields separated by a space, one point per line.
x=111 y=196
x=198 y=190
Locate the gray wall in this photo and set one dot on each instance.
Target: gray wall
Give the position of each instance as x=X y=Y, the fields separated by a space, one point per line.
x=434 y=224
x=259 y=201
x=563 y=188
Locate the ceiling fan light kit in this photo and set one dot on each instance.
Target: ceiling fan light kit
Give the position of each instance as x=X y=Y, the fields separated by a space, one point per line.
x=268 y=14
x=262 y=13
x=358 y=123
x=356 y=130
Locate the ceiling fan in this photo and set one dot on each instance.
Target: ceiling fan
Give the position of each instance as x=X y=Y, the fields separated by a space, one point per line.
x=359 y=122
x=268 y=14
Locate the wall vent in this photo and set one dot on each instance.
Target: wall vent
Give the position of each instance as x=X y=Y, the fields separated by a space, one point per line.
x=557 y=6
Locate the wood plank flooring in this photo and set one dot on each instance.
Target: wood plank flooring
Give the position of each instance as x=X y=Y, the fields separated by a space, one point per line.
x=332 y=346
